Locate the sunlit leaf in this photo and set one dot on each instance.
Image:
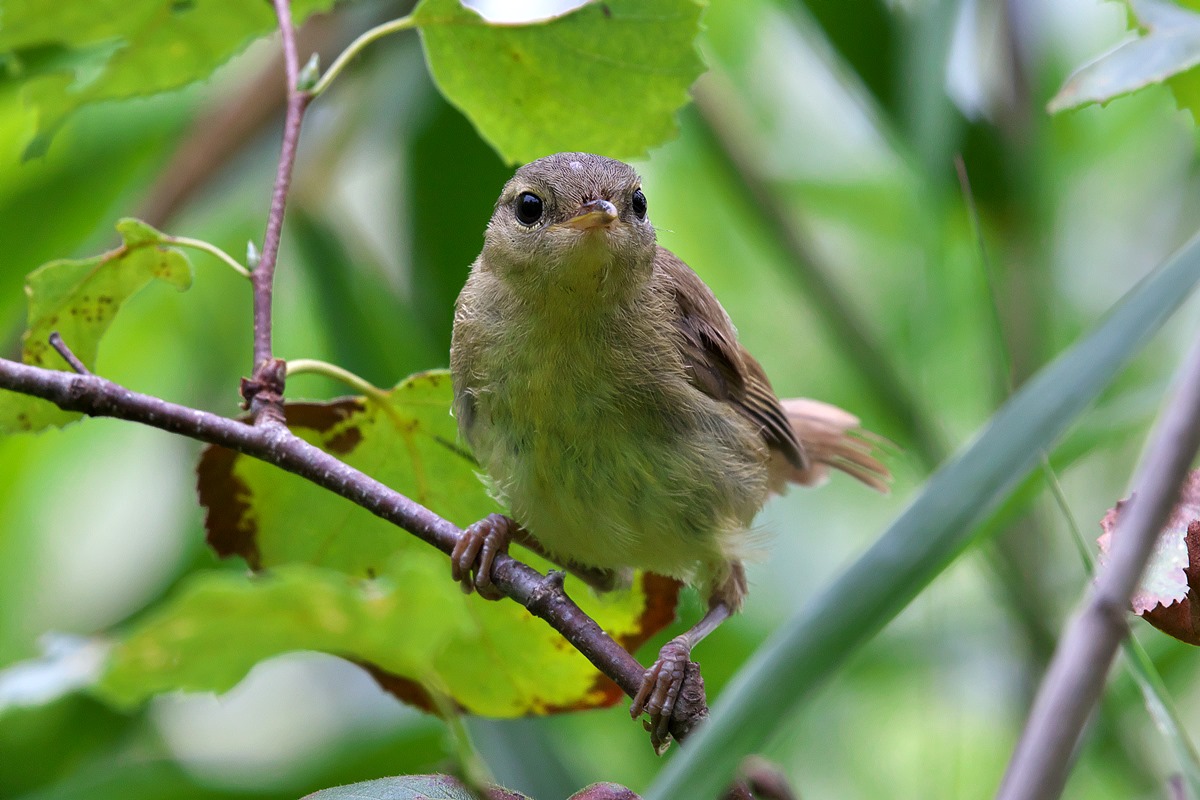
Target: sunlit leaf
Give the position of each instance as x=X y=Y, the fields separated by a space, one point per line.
x=606 y=78
x=70 y=53
x=399 y=613
x=79 y=298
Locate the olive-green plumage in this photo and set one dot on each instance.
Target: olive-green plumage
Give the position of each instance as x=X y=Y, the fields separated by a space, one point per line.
x=604 y=392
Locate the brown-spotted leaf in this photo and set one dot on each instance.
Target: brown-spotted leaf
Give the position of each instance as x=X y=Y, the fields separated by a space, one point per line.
x=1166 y=595
x=489 y=658
x=79 y=298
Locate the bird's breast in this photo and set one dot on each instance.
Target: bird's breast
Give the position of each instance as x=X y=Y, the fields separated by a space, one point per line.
x=603 y=450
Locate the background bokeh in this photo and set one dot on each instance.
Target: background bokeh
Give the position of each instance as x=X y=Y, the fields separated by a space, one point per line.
x=850 y=115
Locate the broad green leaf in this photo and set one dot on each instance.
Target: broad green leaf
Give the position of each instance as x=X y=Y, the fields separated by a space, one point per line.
x=387 y=595
x=70 y=53
x=607 y=78
x=79 y=298
x=939 y=525
x=1168 y=52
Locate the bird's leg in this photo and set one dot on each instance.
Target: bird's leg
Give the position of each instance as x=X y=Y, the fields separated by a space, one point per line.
x=475 y=551
x=662 y=683
x=482 y=541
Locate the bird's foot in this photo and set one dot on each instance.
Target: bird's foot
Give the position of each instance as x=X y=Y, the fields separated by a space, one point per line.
x=667 y=692
x=475 y=552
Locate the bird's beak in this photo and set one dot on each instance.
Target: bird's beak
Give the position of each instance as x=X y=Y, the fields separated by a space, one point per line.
x=593 y=214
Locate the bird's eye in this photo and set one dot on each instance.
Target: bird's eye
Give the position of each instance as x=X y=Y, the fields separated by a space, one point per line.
x=639 y=204
x=529 y=208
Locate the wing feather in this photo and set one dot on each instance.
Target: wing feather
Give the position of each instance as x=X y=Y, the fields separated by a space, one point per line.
x=718 y=365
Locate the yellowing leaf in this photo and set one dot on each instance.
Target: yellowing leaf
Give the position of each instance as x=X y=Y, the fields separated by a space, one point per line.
x=79 y=298
x=607 y=78
x=399 y=613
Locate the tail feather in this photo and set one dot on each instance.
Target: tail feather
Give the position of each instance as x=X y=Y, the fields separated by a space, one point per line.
x=832 y=437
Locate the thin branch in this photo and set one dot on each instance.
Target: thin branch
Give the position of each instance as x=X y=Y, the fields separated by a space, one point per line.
x=1159 y=704
x=1076 y=675
x=265 y=392
x=542 y=595
x=56 y=341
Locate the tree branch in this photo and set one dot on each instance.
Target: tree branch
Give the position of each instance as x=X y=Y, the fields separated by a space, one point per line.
x=1076 y=675
x=264 y=391
x=542 y=595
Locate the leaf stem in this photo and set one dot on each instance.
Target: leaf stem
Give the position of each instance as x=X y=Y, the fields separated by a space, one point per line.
x=314 y=366
x=211 y=249
x=356 y=47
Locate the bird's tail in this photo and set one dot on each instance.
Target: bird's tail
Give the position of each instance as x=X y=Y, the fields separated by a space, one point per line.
x=832 y=437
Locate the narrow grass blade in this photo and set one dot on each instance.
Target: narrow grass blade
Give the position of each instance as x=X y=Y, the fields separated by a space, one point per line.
x=938 y=526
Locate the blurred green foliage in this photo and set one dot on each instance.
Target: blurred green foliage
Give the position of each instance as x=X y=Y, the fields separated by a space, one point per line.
x=851 y=113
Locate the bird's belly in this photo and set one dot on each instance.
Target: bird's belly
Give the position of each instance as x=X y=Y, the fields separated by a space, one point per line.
x=619 y=478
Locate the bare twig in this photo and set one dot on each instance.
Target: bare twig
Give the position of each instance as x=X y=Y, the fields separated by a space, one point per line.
x=264 y=391
x=357 y=46
x=1076 y=675
x=56 y=341
x=542 y=595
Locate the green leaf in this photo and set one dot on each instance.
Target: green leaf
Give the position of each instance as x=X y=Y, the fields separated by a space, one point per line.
x=79 y=298
x=939 y=525
x=607 y=78
x=410 y=787
x=373 y=593
x=74 y=52
x=1168 y=53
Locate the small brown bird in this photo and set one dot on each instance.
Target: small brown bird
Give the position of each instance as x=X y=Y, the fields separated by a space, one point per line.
x=603 y=390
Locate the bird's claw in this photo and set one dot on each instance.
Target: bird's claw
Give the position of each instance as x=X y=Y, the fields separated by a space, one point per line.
x=661 y=685
x=476 y=551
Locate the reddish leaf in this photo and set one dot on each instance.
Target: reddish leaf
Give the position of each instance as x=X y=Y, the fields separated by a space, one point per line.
x=1166 y=596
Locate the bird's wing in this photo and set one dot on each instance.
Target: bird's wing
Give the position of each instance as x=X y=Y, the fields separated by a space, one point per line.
x=718 y=365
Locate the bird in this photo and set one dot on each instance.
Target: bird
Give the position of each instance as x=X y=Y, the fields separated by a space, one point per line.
x=604 y=393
